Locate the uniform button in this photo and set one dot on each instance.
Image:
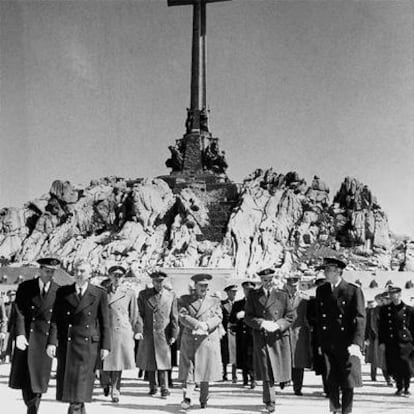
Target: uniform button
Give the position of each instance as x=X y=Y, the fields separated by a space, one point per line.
x=70 y=326
x=33 y=307
x=87 y=326
x=67 y=313
x=86 y=339
x=48 y=322
x=89 y=313
x=390 y=328
x=50 y=310
x=321 y=303
x=342 y=328
x=33 y=319
x=391 y=336
x=46 y=333
x=69 y=339
x=343 y=302
x=31 y=330
x=324 y=328
x=389 y=314
x=340 y=315
x=324 y=315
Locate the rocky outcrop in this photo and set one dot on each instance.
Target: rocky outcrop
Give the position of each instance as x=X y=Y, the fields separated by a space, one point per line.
x=273 y=219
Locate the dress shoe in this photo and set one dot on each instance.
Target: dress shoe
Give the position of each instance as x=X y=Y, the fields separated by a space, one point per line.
x=389 y=383
x=115 y=399
x=203 y=405
x=298 y=392
x=398 y=393
x=165 y=393
x=185 y=404
x=406 y=393
x=253 y=385
x=270 y=407
x=106 y=390
x=115 y=395
x=152 y=391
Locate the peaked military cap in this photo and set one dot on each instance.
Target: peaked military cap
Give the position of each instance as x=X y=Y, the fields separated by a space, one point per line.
x=293 y=276
x=266 y=272
x=50 y=262
x=201 y=278
x=158 y=275
x=394 y=289
x=230 y=287
x=333 y=261
x=248 y=284
x=117 y=269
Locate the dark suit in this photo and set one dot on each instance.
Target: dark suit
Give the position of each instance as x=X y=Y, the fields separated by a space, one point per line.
x=341 y=323
x=226 y=306
x=30 y=370
x=396 y=331
x=79 y=328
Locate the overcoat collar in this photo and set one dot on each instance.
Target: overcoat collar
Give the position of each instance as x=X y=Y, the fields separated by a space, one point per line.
x=43 y=303
x=155 y=298
x=117 y=295
x=87 y=299
x=267 y=301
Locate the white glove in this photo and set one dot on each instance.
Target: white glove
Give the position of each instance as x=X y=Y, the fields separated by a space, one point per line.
x=104 y=353
x=355 y=350
x=51 y=351
x=240 y=315
x=21 y=342
x=199 y=332
x=203 y=326
x=2 y=335
x=138 y=336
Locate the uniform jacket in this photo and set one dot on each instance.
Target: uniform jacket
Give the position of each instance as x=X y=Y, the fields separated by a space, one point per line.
x=340 y=318
x=158 y=324
x=123 y=323
x=396 y=331
x=32 y=315
x=244 y=337
x=201 y=352
x=373 y=354
x=79 y=328
x=270 y=346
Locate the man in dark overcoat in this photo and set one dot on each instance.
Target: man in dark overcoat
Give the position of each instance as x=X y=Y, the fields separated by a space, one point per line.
x=244 y=336
x=200 y=360
x=396 y=335
x=31 y=367
x=228 y=341
x=79 y=332
x=300 y=336
x=373 y=354
x=158 y=328
x=269 y=313
x=341 y=329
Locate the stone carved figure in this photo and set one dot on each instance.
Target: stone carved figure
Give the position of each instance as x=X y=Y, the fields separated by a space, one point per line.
x=213 y=159
x=175 y=162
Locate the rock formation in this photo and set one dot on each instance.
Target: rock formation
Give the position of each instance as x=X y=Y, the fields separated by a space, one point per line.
x=273 y=219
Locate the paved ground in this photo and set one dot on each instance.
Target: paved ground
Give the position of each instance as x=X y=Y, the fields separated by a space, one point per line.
x=225 y=398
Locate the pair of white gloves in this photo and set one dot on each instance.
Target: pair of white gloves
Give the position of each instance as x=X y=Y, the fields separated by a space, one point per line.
x=270 y=326
x=202 y=329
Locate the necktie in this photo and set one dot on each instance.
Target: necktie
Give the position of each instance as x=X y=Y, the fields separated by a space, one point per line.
x=44 y=291
x=79 y=293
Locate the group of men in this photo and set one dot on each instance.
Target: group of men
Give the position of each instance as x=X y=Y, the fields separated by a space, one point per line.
x=86 y=327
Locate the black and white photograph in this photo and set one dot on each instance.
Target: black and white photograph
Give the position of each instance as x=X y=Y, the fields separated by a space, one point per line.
x=206 y=206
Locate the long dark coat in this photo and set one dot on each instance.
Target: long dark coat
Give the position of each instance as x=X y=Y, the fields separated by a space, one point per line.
x=273 y=347
x=226 y=307
x=79 y=328
x=200 y=358
x=32 y=315
x=123 y=318
x=341 y=322
x=318 y=359
x=373 y=354
x=159 y=323
x=244 y=337
x=396 y=331
x=300 y=333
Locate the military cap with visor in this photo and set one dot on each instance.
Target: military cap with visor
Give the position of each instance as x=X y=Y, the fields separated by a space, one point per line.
x=203 y=278
x=117 y=270
x=49 y=262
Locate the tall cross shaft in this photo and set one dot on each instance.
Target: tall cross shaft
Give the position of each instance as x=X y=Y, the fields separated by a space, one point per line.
x=198 y=94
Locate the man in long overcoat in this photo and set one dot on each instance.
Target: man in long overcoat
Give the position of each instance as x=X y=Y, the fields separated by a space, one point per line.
x=396 y=334
x=123 y=322
x=341 y=328
x=31 y=367
x=200 y=317
x=373 y=354
x=158 y=314
x=300 y=335
x=244 y=336
x=269 y=313
x=79 y=332
x=228 y=340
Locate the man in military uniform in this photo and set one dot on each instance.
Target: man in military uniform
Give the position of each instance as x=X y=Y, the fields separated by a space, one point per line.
x=300 y=335
x=396 y=335
x=79 y=332
x=269 y=313
x=157 y=309
x=123 y=317
x=31 y=367
x=228 y=341
x=341 y=328
x=244 y=337
x=200 y=317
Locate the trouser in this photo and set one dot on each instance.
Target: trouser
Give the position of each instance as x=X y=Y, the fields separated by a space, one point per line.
x=269 y=393
x=111 y=378
x=162 y=379
x=403 y=381
x=31 y=399
x=76 y=408
x=189 y=391
x=246 y=373
x=297 y=378
x=347 y=399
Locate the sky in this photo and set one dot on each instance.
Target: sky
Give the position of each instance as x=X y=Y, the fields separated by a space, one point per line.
x=93 y=88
